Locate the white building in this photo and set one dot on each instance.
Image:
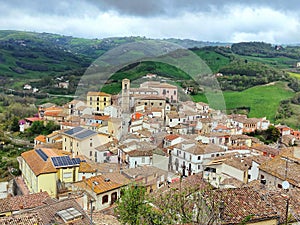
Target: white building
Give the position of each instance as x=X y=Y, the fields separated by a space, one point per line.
x=188 y=157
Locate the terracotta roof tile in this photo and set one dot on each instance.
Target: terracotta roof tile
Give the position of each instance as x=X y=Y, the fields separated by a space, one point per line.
x=48 y=212
x=22 y=202
x=277 y=166
x=95 y=93
x=41 y=138
x=37 y=164
x=239 y=203
x=85 y=167
x=103 y=183
x=27 y=219
x=171 y=137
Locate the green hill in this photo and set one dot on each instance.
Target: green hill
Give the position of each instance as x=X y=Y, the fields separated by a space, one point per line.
x=257 y=101
x=43 y=59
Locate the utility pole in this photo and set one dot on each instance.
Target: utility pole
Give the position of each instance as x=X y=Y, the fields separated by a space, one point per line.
x=287 y=210
x=286 y=186
x=91 y=221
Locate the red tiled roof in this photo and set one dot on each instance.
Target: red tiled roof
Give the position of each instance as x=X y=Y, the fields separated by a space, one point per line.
x=32 y=119
x=48 y=212
x=37 y=164
x=26 y=219
x=95 y=93
x=103 y=183
x=239 y=203
x=171 y=137
x=23 y=202
x=41 y=138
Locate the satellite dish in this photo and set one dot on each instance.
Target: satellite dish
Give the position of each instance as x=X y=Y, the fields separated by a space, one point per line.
x=285 y=185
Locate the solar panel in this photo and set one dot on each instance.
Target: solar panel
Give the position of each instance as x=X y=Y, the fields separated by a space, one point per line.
x=74 y=130
x=63 y=161
x=55 y=161
x=85 y=134
x=42 y=154
x=76 y=160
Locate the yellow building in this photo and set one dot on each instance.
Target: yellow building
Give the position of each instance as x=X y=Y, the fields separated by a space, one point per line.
x=98 y=100
x=48 y=169
x=81 y=141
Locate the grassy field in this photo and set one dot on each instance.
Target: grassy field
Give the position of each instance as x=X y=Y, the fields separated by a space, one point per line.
x=277 y=62
x=214 y=60
x=294 y=75
x=262 y=100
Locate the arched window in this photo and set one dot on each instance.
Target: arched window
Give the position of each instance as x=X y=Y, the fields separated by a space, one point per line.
x=105 y=199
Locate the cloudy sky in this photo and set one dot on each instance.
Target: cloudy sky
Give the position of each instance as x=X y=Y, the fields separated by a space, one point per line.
x=274 y=21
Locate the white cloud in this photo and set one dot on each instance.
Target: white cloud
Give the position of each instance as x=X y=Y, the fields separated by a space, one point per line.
x=233 y=23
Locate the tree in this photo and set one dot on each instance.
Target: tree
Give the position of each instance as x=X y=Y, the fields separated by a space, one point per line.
x=272 y=134
x=36 y=128
x=134 y=208
x=188 y=202
x=15 y=124
x=50 y=127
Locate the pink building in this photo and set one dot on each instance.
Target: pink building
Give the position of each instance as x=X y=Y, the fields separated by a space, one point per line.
x=164 y=89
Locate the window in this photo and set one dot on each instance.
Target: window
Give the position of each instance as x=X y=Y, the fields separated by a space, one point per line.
x=146 y=103
x=199 y=157
x=91 y=153
x=91 y=99
x=184 y=155
x=174 y=92
x=104 y=99
x=249 y=176
x=143 y=159
x=160 y=103
x=152 y=103
x=105 y=199
x=91 y=144
x=97 y=99
x=199 y=167
x=212 y=155
x=279 y=186
x=170 y=120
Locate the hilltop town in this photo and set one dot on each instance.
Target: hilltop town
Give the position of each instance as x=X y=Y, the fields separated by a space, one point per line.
x=147 y=136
